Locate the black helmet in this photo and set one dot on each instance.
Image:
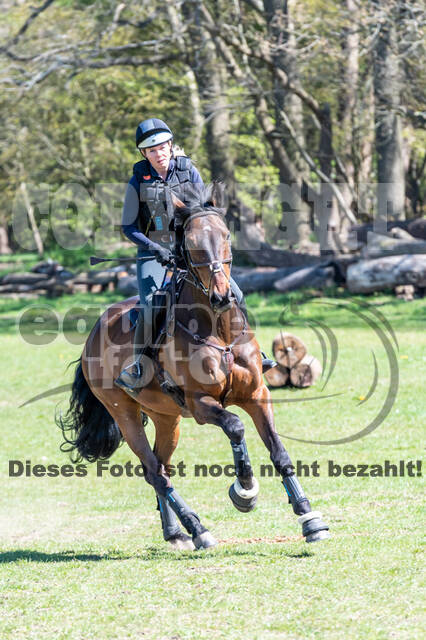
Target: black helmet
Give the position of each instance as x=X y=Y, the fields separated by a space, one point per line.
x=152 y=132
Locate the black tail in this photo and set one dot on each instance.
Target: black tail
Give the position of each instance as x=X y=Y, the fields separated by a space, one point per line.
x=94 y=434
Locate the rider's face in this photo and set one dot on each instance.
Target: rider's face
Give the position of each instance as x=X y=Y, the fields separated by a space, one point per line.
x=159 y=156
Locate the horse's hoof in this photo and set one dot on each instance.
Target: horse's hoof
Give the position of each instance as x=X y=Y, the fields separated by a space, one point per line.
x=244 y=499
x=204 y=541
x=319 y=535
x=313 y=527
x=182 y=542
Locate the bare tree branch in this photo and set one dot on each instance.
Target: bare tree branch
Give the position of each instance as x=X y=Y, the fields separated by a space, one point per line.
x=26 y=24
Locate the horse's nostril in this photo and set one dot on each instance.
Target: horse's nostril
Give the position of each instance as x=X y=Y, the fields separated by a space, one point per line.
x=215 y=299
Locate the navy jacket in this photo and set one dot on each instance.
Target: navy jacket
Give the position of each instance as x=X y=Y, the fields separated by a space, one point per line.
x=132 y=204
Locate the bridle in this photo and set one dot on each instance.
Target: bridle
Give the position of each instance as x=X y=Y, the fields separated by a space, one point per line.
x=215 y=266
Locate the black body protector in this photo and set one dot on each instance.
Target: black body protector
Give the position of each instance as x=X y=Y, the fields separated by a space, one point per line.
x=156 y=210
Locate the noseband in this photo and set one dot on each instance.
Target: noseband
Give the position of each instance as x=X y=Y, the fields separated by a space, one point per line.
x=215 y=266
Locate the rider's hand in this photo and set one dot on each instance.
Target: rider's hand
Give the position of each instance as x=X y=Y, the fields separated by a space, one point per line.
x=162 y=254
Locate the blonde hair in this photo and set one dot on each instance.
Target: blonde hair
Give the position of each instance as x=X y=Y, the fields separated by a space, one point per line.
x=177 y=150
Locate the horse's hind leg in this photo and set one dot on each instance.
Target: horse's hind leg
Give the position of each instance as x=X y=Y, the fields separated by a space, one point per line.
x=126 y=412
x=260 y=410
x=244 y=491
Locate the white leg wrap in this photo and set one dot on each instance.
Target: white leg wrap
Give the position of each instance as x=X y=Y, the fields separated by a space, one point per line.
x=246 y=493
x=309 y=516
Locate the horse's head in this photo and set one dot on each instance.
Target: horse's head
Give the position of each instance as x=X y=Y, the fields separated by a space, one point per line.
x=206 y=247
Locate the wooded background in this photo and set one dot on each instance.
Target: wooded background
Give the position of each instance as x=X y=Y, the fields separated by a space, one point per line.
x=324 y=95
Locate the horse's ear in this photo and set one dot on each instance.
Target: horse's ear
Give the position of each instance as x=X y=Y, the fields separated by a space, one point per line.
x=181 y=211
x=178 y=204
x=214 y=195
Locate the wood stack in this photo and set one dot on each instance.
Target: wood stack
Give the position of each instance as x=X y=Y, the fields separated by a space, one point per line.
x=295 y=366
x=51 y=279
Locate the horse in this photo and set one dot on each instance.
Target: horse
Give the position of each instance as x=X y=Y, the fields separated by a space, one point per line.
x=211 y=357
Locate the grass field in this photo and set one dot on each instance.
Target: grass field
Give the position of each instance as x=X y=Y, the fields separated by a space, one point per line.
x=83 y=557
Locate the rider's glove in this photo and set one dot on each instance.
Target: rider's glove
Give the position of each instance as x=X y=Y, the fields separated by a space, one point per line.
x=162 y=254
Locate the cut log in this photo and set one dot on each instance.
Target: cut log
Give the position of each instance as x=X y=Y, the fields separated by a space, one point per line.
x=316 y=276
x=262 y=279
x=306 y=372
x=128 y=286
x=288 y=349
x=24 y=278
x=379 y=246
x=405 y=292
x=367 y=276
x=400 y=234
x=277 y=377
x=416 y=227
x=267 y=256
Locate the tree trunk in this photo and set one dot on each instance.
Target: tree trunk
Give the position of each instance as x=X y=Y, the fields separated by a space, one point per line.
x=318 y=276
x=31 y=217
x=326 y=209
x=349 y=110
x=176 y=27
x=379 y=246
x=367 y=276
x=296 y=215
x=387 y=87
x=4 y=241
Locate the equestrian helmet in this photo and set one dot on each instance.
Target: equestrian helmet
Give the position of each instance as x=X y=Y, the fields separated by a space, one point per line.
x=152 y=132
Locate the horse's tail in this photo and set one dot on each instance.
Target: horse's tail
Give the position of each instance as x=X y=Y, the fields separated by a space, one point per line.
x=94 y=433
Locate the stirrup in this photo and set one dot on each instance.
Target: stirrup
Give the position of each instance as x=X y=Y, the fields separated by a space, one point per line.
x=129 y=379
x=267 y=363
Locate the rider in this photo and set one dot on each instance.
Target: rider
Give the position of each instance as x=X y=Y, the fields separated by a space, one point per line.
x=148 y=222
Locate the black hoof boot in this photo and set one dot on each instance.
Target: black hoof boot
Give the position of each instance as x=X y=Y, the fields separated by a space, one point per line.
x=313 y=527
x=267 y=363
x=244 y=499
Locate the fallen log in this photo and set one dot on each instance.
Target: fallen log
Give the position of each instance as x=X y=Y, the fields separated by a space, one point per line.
x=306 y=372
x=128 y=286
x=277 y=377
x=262 y=279
x=315 y=276
x=288 y=349
x=24 y=278
x=367 y=276
x=416 y=227
x=267 y=256
x=379 y=246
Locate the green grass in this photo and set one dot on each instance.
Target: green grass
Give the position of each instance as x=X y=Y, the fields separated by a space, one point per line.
x=84 y=558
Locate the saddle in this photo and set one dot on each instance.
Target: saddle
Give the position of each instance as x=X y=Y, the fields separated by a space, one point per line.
x=163 y=301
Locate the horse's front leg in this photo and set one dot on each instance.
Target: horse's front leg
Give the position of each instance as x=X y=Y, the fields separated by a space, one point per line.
x=260 y=409
x=243 y=492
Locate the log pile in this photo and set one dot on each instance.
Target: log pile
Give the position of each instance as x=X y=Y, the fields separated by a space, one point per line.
x=393 y=259
x=51 y=279
x=296 y=367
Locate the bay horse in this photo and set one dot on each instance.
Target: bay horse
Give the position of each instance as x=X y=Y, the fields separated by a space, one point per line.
x=212 y=357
